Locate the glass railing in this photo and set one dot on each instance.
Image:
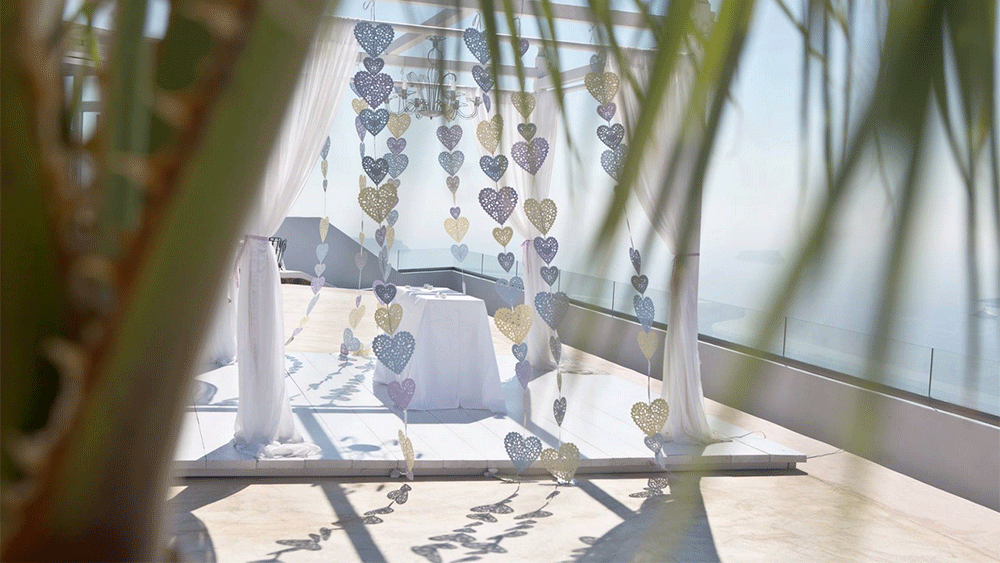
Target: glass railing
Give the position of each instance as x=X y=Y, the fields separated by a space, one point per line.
x=929 y=372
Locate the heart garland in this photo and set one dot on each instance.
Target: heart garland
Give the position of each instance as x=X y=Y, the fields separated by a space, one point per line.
x=377 y=203
x=394 y=351
x=494 y=166
x=530 y=155
x=498 y=204
x=488 y=133
x=561 y=463
x=374 y=39
x=542 y=214
x=651 y=417
x=476 y=43
x=522 y=451
x=451 y=162
x=552 y=307
x=401 y=393
x=514 y=323
x=388 y=318
x=449 y=136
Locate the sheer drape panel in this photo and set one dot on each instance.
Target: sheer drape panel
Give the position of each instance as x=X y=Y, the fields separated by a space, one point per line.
x=264 y=424
x=668 y=213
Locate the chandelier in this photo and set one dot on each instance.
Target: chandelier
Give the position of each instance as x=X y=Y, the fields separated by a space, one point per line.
x=435 y=93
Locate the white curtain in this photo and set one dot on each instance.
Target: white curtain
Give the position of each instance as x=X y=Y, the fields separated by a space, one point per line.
x=264 y=423
x=546 y=119
x=681 y=366
x=219 y=347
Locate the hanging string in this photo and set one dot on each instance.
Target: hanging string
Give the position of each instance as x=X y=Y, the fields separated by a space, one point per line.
x=649 y=377
x=370 y=5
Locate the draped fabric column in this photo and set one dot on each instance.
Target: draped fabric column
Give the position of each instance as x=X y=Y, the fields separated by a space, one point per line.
x=668 y=213
x=546 y=118
x=264 y=423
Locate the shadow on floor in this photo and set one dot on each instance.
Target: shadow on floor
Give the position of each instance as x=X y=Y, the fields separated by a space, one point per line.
x=191 y=537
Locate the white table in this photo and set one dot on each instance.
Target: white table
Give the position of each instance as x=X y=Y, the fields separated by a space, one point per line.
x=453 y=364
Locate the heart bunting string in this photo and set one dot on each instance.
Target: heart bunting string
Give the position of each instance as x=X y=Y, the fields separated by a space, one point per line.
x=451 y=160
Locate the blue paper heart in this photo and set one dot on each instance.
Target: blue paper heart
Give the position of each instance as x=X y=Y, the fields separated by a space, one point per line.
x=552 y=307
x=394 y=351
x=392 y=217
x=359 y=126
x=636 y=259
x=611 y=136
x=510 y=291
x=375 y=168
x=397 y=163
x=374 y=88
x=374 y=39
x=449 y=136
x=373 y=65
x=522 y=452
x=556 y=347
x=493 y=166
x=482 y=77
x=380 y=235
x=325 y=151
x=546 y=248
x=486 y=102
x=527 y=130
x=361 y=149
x=374 y=121
x=598 y=61
x=523 y=372
x=385 y=292
x=395 y=145
x=460 y=251
x=498 y=204
x=351 y=343
x=506 y=260
x=451 y=161
x=550 y=274
x=606 y=111
x=613 y=160
x=476 y=43
x=640 y=283
x=520 y=351
x=644 y=310
x=456 y=212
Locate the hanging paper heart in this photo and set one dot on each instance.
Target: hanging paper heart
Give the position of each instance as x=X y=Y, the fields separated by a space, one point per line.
x=644 y=310
x=361 y=150
x=556 y=347
x=640 y=283
x=498 y=204
x=324 y=166
x=552 y=307
x=527 y=130
x=390 y=237
x=407 y=447
x=395 y=145
x=520 y=351
x=392 y=217
x=321 y=250
x=377 y=203
x=523 y=372
x=324 y=227
x=655 y=444
x=388 y=318
x=603 y=87
x=350 y=341
x=397 y=163
x=523 y=102
x=375 y=168
x=373 y=66
x=455 y=212
x=357 y=301
x=358 y=104
x=493 y=166
x=506 y=260
x=394 y=183
x=510 y=291
x=385 y=292
x=460 y=251
x=355 y=316
x=374 y=121
x=598 y=60
x=542 y=214
x=325 y=151
x=380 y=235
x=636 y=259
x=550 y=274
x=647 y=343
x=606 y=111
x=452 y=183
x=401 y=393
x=546 y=248
x=319 y=269
x=522 y=47
x=611 y=136
x=561 y=463
x=360 y=259
x=530 y=155
x=317 y=284
x=394 y=351
x=456 y=228
x=514 y=324
x=398 y=124
x=383 y=262
x=449 y=136
x=503 y=235
x=559 y=410
x=614 y=160
x=482 y=77
x=650 y=418
x=451 y=162
x=359 y=126
x=374 y=88
x=374 y=38
x=488 y=133
x=522 y=452
x=476 y=43
x=486 y=101
x=312 y=303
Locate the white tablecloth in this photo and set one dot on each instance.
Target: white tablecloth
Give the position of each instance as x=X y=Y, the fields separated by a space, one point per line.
x=453 y=364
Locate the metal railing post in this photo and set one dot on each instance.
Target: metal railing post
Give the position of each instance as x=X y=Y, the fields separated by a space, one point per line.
x=784 y=338
x=930 y=375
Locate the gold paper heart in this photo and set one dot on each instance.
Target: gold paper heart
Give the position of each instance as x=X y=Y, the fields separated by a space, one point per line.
x=324 y=227
x=387 y=318
x=514 y=324
x=603 y=87
x=523 y=102
x=456 y=228
x=488 y=133
x=647 y=343
x=407 y=446
x=361 y=237
x=542 y=214
x=356 y=315
x=390 y=237
x=398 y=124
x=303 y=321
x=503 y=235
x=377 y=203
x=450 y=112
x=650 y=418
x=561 y=463
x=323 y=167
x=559 y=380
x=359 y=105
